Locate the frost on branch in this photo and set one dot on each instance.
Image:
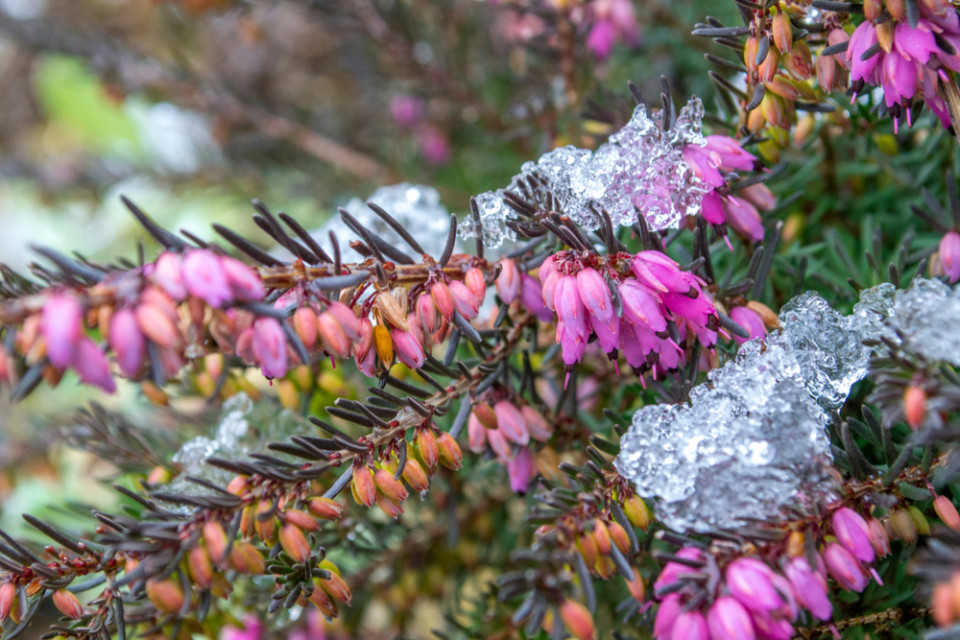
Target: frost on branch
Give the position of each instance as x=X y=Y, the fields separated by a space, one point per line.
x=642 y=165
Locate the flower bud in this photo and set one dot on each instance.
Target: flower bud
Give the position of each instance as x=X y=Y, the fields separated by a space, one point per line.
x=337 y=587
x=265 y=525
x=601 y=534
x=770 y=319
x=767 y=69
x=450 y=454
x=477 y=283
x=389 y=486
x=165 y=595
x=476 y=434
x=853 y=533
x=245 y=558
x=637 y=513
x=294 y=542
x=216 y=539
x=325 y=508
x=244 y=281
x=666 y=615
x=391 y=507
x=578 y=620
x=750 y=49
x=619 y=537
x=941 y=604
x=302 y=519
x=844 y=568
x=690 y=625
x=729 y=620
x=322 y=601
x=950 y=255
x=635 y=586
x=331 y=334
x=903 y=526
x=127 y=342
x=947 y=512
x=511 y=423
x=61 y=323
x=166 y=274
x=799 y=61
x=485 y=414
x=508 y=282
x=443 y=300
x=92 y=366
x=749 y=581
x=363 y=486
x=427 y=313
x=415 y=476
x=67 y=604
x=919 y=520
x=782 y=32
x=408 y=349
x=587 y=547
x=304 y=323
x=204 y=278
x=878 y=537
x=809 y=587
x=8 y=599
x=537 y=425
x=383 y=344
x=269 y=346
x=238 y=486
x=391 y=311
x=157 y=325
x=463 y=299
x=201 y=570
x=426 y=443
x=915 y=406
x=872 y=9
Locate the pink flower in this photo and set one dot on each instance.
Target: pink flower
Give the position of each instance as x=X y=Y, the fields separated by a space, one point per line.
x=408 y=349
x=511 y=423
x=601 y=38
x=666 y=616
x=476 y=434
x=521 y=470
x=466 y=303
x=728 y=620
x=730 y=155
x=61 y=326
x=92 y=366
x=844 y=568
x=863 y=39
x=244 y=281
x=406 y=110
x=508 y=282
x=809 y=588
x=743 y=218
x=749 y=581
x=853 y=533
x=950 y=255
x=711 y=208
x=166 y=274
x=569 y=307
x=640 y=307
x=426 y=312
x=127 y=342
x=704 y=165
x=269 y=347
x=690 y=625
x=204 y=277
x=434 y=145
x=749 y=320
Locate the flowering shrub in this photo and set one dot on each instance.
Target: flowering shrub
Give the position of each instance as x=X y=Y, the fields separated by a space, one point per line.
x=410 y=406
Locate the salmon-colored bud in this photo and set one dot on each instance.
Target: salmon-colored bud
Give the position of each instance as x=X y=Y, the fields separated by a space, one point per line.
x=463 y=299
x=362 y=347
x=322 y=601
x=941 y=603
x=602 y=536
x=426 y=443
x=305 y=326
x=389 y=486
x=33 y=588
x=415 y=476
x=216 y=539
x=636 y=587
x=587 y=547
x=750 y=53
x=331 y=334
x=947 y=512
x=165 y=595
x=245 y=558
x=450 y=454
x=872 y=9
x=8 y=597
x=878 y=537
x=238 y=486
x=903 y=526
x=578 y=620
x=443 y=300
x=157 y=326
x=302 y=519
x=347 y=319
x=427 y=313
x=799 y=62
x=537 y=425
x=782 y=32
x=784 y=88
x=919 y=520
x=294 y=542
x=637 y=512
x=201 y=570
x=605 y=567
x=337 y=587
x=265 y=525
x=756 y=120
x=391 y=311
x=827 y=72
x=485 y=414
x=325 y=508
x=383 y=344
x=391 y=507
x=477 y=283
x=619 y=536
x=915 y=406
x=508 y=282
x=767 y=69
x=897 y=9
x=364 y=488
x=67 y=604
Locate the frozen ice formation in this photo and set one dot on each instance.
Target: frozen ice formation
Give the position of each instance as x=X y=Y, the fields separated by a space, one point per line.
x=416 y=207
x=641 y=165
x=753 y=439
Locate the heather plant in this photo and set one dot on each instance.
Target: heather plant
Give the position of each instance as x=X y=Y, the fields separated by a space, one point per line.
x=679 y=361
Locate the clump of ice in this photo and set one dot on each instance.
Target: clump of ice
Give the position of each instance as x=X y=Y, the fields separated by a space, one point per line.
x=640 y=166
x=417 y=207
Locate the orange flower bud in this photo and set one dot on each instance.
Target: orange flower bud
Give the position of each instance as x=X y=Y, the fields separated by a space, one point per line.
x=605 y=567
x=304 y=322
x=897 y=10
x=302 y=519
x=389 y=486
x=485 y=414
x=246 y=521
x=335 y=341
x=602 y=536
x=391 y=507
x=476 y=282
x=941 y=603
x=415 y=476
x=265 y=525
x=426 y=443
x=337 y=587
x=294 y=542
x=325 y=508
x=799 y=62
x=157 y=326
x=587 y=547
x=216 y=539
x=383 y=344
x=885 y=35
x=245 y=558
x=363 y=486
x=450 y=454
x=782 y=32
x=750 y=53
x=768 y=68
x=154 y=394
x=322 y=601
x=238 y=486
x=198 y=561
x=8 y=597
x=637 y=512
x=872 y=9
x=67 y=604
x=947 y=512
x=166 y=595
x=578 y=620
x=795 y=544
x=636 y=586
x=915 y=406
x=619 y=536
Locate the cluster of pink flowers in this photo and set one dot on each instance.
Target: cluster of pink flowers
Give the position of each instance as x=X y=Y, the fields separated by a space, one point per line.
x=711 y=162
x=652 y=290
x=908 y=59
x=613 y=21
x=754 y=600
x=506 y=429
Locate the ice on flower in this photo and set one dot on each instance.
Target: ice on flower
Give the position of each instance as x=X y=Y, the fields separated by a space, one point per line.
x=416 y=207
x=641 y=166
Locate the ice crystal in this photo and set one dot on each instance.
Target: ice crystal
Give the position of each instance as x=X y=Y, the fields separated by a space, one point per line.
x=641 y=166
x=416 y=207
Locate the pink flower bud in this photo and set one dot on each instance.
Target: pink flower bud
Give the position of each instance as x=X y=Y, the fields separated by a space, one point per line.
x=844 y=568
x=690 y=625
x=347 y=319
x=760 y=195
x=537 y=425
x=499 y=444
x=127 y=342
x=427 y=312
x=570 y=309
x=950 y=255
x=443 y=300
x=204 y=277
x=878 y=537
x=749 y=320
x=641 y=307
x=666 y=615
x=477 y=283
x=508 y=282
x=335 y=341
x=531 y=298
x=476 y=434
x=749 y=581
x=672 y=570
x=853 y=533
x=464 y=300
x=658 y=272
x=521 y=470
x=166 y=274
x=511 y=422
x=809 y=588
x=595 y=294
x=92 y=366
x=711 y=208
x=304 y=322
x=61 y=326
x=728 y=620
x=269 y=347
x=362 y=347
x=743 y=218
x=771 y=628
x=409 y=351
x=245 y=282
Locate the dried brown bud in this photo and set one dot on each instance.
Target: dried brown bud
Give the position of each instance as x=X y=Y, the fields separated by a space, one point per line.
x=391 y=310
x=885 y=35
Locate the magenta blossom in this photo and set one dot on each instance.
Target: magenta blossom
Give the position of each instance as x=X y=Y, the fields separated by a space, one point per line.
x=950 y=255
